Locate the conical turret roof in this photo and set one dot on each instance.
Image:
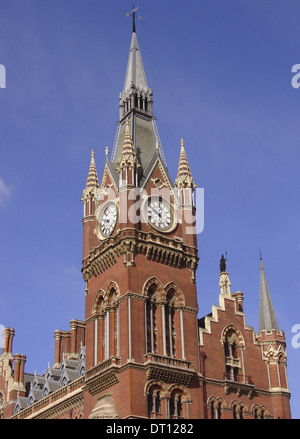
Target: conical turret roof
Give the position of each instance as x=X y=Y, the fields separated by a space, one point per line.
x=184 y=176
x=267 y=317
x=128 y=157
x=92 y=183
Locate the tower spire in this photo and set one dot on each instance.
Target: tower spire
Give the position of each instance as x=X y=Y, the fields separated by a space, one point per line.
x=267 y=317
x=135 y=74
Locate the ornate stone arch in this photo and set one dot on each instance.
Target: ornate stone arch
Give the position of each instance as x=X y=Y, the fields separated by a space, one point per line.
x=178 y=296
x=215 y=405
x=112 y=294
x=233 y=403
x=156 y=386
x=261 y=410
x=155 y=394
x=179 y=389
x=217 y=400
x=99 y=302
x=154 y=282
x=235 y=333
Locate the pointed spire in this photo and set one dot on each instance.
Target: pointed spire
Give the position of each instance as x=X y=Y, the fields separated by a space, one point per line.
x=92 y=179
x=135 y=74
x=128 y=157
x=184 y=176
x=92 y=183
x=267 y=318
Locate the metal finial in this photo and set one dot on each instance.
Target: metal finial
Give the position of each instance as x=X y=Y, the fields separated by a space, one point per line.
x=132 y=14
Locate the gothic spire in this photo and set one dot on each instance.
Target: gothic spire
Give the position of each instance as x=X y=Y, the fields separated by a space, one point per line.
x=135 y=74
x=184 y=176
x=128 y=157
x=267 y=318
x=92 y=183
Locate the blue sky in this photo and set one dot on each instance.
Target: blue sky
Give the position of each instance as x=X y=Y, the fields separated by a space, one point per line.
x=221 y=77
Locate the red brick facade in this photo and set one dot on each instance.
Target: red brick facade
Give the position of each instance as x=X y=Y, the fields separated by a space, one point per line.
x=142 y=351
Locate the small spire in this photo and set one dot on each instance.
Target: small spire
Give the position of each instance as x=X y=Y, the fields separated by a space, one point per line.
x=92 y=182
x=184 y=176
x=128 y=157
x=267 y=317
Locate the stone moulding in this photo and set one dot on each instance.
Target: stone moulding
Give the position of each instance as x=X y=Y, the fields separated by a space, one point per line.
x=164 y=250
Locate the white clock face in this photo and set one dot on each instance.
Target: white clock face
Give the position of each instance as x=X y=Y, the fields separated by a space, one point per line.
x=159 y=214
x=108 y=220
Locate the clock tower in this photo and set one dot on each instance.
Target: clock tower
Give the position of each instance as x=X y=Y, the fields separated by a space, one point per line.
x=139 y=262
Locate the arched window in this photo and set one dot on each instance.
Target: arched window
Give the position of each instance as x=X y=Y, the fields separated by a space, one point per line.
x=154 y=402
x=112 y=324
x=241 y=412
x=212 y=409
x=169 y=324
x=106 y=324
x=233 y=354
x=151 y=331
x=234 y=412
x=176 y=406
x=215 y=408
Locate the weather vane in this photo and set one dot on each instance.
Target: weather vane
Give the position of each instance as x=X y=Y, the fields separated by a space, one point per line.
x=132 y=14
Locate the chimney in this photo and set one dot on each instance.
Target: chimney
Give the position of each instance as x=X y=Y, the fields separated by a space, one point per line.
x=10 y=342
x=22 y=367
x=7 y=340
x=57 y=336
x=17 y=363
x=73 y=326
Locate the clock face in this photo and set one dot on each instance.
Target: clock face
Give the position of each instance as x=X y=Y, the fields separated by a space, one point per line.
x=159 y=214
x=108 y=219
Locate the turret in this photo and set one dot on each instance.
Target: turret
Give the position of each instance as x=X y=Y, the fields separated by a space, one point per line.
x=89 y=199
x=273 y=346
x=185 y=187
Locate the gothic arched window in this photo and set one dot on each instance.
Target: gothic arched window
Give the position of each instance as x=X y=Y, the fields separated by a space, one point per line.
x=232 y=342
x=176 y=406
x=154 y=402
x=151 y=331
x=169 y=324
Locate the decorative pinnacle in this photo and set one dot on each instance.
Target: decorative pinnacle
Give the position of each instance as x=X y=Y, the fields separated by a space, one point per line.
x=184 y=177
x=128 y=158
x=92 y=183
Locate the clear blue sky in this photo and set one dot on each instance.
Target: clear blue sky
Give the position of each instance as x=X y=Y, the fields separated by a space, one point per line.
x=221 y=76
